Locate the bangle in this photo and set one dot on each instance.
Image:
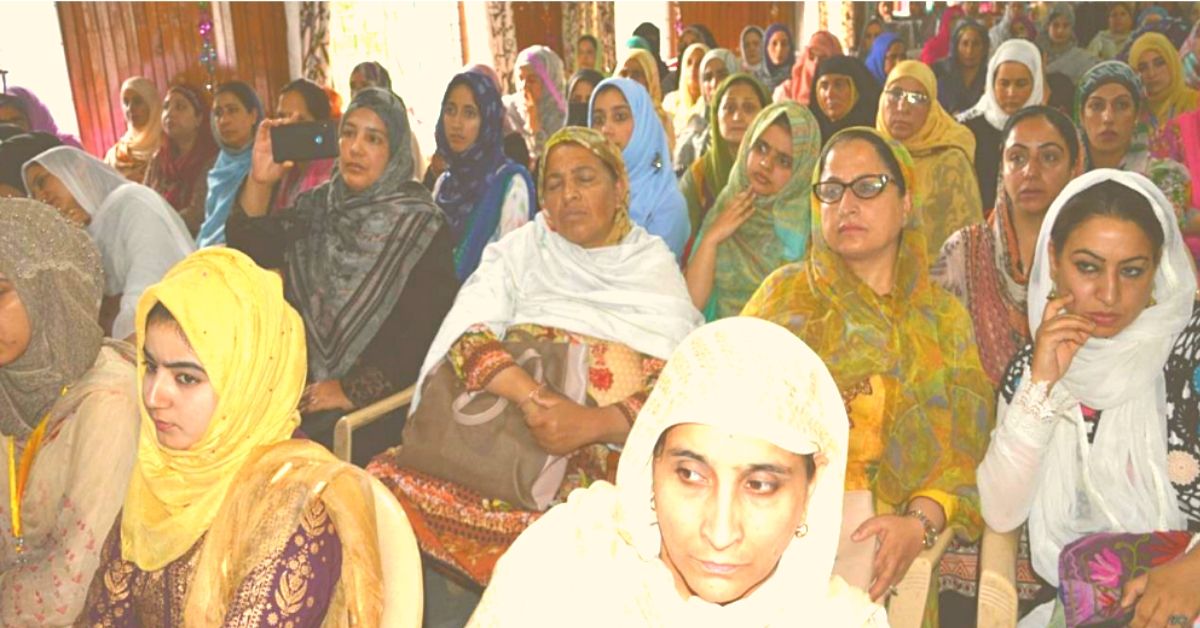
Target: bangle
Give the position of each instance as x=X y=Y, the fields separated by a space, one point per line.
x=931 y=531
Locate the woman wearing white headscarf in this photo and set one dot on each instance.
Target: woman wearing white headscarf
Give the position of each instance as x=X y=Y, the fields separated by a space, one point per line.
x=742 y=404
x=1090 y=423
x=142 y=108
x=139 y=234
x=1014 y=81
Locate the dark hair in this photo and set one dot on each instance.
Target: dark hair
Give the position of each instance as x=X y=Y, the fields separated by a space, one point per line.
x=1062 y=91
x=195 y=98
x=589 y=38
x=375 y=72
x=810 y=462
x=315 y=98
x=8 y=130
x=244 y=93
x=781 y=121
x=1125 y=5
x=19 y=149
x=877 y=143
x=586 y=75
x=1056 y=118
x=1108 y=198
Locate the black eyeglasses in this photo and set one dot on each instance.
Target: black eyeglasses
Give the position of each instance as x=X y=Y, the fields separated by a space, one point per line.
x=864 y=187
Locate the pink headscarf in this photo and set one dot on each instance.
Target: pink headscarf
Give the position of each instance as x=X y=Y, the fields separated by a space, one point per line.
x=823 y=44
x=938 y=47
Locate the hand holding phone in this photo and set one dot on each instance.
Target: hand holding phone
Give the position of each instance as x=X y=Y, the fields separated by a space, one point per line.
x=304 y=141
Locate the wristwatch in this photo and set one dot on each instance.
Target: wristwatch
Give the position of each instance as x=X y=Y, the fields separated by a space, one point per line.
x=931 y=532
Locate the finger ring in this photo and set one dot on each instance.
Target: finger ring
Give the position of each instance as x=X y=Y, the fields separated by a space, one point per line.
x=1177 y=620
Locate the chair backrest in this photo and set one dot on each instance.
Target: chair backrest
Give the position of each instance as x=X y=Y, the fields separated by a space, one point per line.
x=403 y=589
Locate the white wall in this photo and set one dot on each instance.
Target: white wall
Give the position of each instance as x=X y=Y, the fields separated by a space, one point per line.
x=31 y=50
x=628 y=15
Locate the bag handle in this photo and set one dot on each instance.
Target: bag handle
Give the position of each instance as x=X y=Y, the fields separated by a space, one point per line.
x=498 y=406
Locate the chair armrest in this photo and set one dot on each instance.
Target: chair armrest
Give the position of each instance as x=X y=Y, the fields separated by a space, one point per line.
x=343 y=430
x=998 y=579
x=906 y=608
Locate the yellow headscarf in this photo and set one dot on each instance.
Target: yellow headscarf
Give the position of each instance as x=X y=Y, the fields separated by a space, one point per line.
x=941 y=129
x=251 y=344
x=608 y=152
x=1178 y=98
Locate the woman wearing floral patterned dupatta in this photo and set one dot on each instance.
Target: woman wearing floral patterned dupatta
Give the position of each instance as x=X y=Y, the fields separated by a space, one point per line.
x=761 y=219
x=744 y=406
x=582 y=273
x=228 y=520
x=68 y=413
x=901 y=351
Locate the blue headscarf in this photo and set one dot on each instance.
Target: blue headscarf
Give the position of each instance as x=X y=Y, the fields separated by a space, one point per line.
x=471 y=190
x=226 y=176
x=655 y=202
x=783 y=71
x=875 y=60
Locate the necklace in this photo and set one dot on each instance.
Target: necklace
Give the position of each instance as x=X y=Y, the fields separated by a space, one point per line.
x=18 y=478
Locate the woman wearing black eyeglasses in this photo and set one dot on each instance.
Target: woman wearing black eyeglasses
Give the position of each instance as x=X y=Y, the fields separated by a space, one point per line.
x=944 y=184
x=903 y=355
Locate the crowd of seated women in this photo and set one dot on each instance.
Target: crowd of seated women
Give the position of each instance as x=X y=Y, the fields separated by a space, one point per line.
x=832 y=302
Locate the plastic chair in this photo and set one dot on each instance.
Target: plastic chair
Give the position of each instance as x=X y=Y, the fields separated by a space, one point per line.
x=343 y=430
x=998 y=579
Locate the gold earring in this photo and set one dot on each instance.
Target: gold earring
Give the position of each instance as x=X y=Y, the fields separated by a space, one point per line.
x=802 y=530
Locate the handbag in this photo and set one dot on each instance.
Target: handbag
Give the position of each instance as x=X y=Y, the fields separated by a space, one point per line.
x=481 y=441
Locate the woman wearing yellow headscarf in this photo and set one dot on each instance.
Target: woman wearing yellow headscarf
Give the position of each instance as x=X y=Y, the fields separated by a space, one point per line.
x=681 y=104
x=946 y=192
x=1157 y=64
x=227 y=519
x=642 y=68
x=902 y=352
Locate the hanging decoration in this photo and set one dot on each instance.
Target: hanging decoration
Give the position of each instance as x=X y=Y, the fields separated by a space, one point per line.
x=208 y=52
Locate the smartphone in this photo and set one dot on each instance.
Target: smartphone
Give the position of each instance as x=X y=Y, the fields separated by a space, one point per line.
x=304 y=141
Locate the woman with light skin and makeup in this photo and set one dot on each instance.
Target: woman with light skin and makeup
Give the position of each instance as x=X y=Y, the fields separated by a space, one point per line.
x=1014 y=81
x=581 y=262
x=371 y=226
x=483 y=194
x=1110 y=109
x=726 y=506
x=142 y=108
x=179 y=170
x=779 y=55
x=863 y=300
x=986 y=267
x=229 y=518
x=1096 y=421
x=735 y=104
x=639 y=67
x=68 y=415
x=1157 y=64
x=761 y=219
x=139 y=235
x=623 y=112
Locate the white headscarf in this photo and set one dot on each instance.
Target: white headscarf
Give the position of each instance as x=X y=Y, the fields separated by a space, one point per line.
x=139 y=234
x=1123 y=487
x=631 y=293
x=747 y=377
x=1020 y=51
